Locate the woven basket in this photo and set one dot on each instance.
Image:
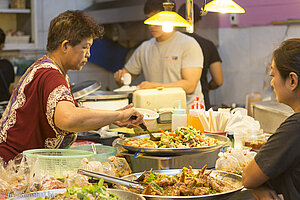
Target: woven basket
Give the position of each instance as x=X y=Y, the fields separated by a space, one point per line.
x=57 y=161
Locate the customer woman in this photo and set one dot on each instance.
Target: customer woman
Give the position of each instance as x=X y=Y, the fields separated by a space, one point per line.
x=276 y=168
x=42 y=112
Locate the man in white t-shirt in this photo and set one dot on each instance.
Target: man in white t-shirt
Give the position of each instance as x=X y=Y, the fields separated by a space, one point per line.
x=167 y=60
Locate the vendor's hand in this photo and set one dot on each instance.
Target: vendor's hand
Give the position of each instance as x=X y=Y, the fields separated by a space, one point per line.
x=148 y=85
x=128 y=119
x=126 y=107
x=264 y=193
x=118 y=123
x=118 y=75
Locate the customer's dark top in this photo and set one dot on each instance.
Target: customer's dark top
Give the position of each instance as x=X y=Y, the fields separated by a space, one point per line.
x=279 y=159
x=7 y=76
x=210 y=55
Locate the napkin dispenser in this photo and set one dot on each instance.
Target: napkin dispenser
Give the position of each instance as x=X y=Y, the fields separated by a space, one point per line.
x=159 y=98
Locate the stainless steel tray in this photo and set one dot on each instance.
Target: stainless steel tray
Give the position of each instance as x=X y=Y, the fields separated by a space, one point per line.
x=85 y=88
x=234 y=179
x=122 y=194
x=174 y=151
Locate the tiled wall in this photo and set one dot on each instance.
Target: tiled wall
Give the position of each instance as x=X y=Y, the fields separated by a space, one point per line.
x=246 y=52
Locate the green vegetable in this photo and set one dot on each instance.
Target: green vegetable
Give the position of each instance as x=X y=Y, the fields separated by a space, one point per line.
x=84 y=193
x=211 y=191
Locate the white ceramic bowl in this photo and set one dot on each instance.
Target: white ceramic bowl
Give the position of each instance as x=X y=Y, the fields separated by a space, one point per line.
x=150 y=116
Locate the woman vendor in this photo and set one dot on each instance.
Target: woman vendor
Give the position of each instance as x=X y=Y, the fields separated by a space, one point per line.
x=42 y=112
x=274 y=173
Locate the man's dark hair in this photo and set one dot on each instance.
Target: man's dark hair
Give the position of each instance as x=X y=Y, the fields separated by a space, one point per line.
x=74 y=26
x=196 y=12
x=156 y=5
x=2 y=36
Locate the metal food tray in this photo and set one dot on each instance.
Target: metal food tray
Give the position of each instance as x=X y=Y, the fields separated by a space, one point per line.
x=122 y=194
x=174 y=151
x=234 y=179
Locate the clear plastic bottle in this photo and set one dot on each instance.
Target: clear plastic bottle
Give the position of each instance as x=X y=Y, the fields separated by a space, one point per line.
x=179 y=117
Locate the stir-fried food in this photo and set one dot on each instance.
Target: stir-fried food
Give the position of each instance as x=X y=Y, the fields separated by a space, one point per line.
x=91 y=192
x=189 y=183
x=182 y=137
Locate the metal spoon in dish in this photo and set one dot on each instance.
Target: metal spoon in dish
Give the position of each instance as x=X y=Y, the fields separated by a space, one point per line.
x=152 y=137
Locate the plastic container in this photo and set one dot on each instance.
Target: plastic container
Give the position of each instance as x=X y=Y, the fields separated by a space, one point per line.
x=150 y=116
x=102 y=151
x=252 y=97
x=255 y=139
x=194 y=121
x=179 y=117
x=57 y=161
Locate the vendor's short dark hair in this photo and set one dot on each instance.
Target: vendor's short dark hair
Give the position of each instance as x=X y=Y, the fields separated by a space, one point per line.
x=196 y=11
x=287 y=57
x=155 y=5
x=74 y=26
x=2 y=36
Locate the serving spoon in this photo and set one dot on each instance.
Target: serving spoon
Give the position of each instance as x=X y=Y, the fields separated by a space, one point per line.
x=152 y=137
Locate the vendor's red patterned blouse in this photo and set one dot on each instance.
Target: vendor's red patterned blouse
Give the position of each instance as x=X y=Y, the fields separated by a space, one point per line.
x=28 y=121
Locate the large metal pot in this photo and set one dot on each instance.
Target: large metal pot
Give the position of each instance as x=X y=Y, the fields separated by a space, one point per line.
x=104 y=100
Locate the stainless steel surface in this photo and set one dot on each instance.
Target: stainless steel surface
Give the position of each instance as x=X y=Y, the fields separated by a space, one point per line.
x=174 y=151
x=234 y=179
x=85 y=88
x=123 y=195
x=270 y=114
x=197 y=160
x=110 y=179
x=117 y=11
x=103 y=95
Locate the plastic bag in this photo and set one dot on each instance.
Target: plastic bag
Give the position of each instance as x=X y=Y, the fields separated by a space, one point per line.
x=228 y=163
x=19 y=176
x=94 y=166
x=234 y=160
x=120 y=165
x=74 y=179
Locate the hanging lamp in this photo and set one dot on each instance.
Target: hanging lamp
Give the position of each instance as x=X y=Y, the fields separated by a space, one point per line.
x=224 y=6
x=167 y=18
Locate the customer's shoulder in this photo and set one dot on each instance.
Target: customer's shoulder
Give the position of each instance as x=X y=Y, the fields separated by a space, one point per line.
x=292 y=124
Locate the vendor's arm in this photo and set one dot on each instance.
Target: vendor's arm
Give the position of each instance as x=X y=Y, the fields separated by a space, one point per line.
x=215 y=70
x=190 y=78
x=78 y=119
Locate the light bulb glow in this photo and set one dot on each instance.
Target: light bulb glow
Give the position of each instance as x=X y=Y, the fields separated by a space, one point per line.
x=167 y=28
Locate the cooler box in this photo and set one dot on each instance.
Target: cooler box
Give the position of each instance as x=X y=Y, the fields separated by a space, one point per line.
x=159 y=98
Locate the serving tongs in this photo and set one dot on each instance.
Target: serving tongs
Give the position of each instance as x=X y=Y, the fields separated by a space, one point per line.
x=111 y=179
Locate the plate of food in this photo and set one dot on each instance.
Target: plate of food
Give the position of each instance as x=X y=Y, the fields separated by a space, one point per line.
x=186 y=183
x=183 y=140
x=86 y=192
